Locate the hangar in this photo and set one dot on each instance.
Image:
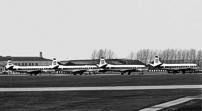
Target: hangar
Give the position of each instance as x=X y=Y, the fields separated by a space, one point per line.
x=96 y=61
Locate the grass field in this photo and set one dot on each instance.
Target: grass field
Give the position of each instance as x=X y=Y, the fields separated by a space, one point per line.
x=99 y=80
x=94 y=100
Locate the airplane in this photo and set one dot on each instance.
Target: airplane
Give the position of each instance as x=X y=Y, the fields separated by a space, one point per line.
x=174 y=68
x=31 y=69
x=80 y=69
x=122 y=68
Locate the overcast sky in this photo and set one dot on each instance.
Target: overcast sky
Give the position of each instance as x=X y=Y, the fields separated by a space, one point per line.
x=74 y=28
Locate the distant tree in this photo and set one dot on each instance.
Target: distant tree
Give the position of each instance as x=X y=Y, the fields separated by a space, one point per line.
x=107 y=54
x=140 y=55
x=179 y=54
x=152 y=54
x=199 y=57
x=175 y=54
x=146 y=55
x=183 y=55
x=131 y=56
x=187 y=55
x=192 y=55
x=93 y=55
x=110 y=54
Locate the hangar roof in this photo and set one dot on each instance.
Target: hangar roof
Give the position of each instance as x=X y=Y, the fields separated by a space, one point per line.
x=96 y=61
x=23 y=58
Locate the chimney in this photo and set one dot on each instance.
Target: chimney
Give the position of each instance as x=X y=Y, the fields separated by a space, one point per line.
x=41 y=55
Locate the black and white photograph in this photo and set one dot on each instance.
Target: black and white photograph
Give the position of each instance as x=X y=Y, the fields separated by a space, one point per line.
x=101 y=55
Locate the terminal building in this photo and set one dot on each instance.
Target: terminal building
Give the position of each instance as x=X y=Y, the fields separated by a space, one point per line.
x=24 y=61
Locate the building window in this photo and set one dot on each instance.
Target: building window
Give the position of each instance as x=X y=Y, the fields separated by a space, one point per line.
x=22 y=64
x=36 y=64
x=30 y=64
x=18 y=64
x=25 y=64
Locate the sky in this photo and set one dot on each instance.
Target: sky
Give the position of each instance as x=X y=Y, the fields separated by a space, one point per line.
x=73 y=29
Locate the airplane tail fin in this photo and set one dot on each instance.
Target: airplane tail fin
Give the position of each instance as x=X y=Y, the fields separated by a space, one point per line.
x=9 y=65
x=54 y=64
x=102 y=63
x=156 y=62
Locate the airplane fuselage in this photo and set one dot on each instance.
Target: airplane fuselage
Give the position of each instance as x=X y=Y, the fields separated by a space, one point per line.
x=175 y=68
x=78 y=69
x=126 y=68
x=32 y=69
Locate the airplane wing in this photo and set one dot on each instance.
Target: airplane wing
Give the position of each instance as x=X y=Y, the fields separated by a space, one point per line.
x=120 y=70
x=102 y=66
x=80 y=71
x=178 y=70
x=158 y=66
x=35 y=72
x=61 y=63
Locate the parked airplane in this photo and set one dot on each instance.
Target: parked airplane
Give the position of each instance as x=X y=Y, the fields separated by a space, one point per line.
x=122 y=68
x=32 y=69
x=174 y=68
x=80 y=69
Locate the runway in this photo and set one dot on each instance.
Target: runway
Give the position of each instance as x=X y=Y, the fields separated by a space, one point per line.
x=102 y=88
x=169 y=104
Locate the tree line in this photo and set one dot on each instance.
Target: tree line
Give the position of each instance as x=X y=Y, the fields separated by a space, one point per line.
x=147 y=55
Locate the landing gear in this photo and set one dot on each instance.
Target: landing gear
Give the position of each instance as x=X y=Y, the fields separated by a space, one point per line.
x=183 y=72
x=34 y=74
x=122 y=73
x=129 y=73
x=142 y=72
